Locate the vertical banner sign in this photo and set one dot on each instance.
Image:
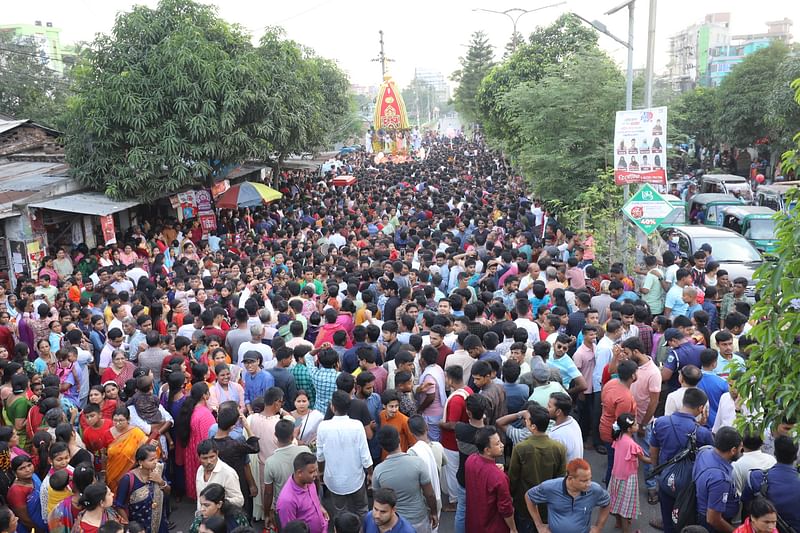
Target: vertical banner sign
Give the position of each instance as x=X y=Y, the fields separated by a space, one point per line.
x=109 y=234
x=640 y=146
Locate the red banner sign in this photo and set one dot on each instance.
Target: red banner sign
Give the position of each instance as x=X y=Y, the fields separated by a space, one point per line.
x=109 y=234
x=657 y=176
x=208 y=221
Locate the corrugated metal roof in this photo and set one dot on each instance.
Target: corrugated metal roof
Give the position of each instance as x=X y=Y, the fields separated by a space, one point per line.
x=6 y=125
x=85 y=203
x=23 y=169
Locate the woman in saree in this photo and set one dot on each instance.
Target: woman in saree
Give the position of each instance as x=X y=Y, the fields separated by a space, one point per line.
x=191 y=427
x=16 y=407
x=62 y=518
x=9 y=436
x=97 y=396
x=97 y=501
x=122 y=451
x=141 y=493
x=120 y=371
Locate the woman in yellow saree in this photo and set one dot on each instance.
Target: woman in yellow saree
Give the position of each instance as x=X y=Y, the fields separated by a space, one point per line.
x=122 y=452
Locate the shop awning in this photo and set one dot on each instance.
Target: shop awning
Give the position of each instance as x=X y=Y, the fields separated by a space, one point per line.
x=85 y=203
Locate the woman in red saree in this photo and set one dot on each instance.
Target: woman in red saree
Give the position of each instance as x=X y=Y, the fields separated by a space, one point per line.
x=194 y=421
x=120 y=371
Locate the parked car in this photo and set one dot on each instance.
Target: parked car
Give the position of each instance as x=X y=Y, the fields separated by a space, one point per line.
x=733 y=252
x=707 y=208
x=755 y=222
x=774 y=196
x=727 y=184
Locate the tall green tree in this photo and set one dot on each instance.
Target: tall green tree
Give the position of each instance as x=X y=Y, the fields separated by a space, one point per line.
x=511 y=46
x=548 y=48
x=694 y=114
x=744 y=93
x=164 y=101
x=474 y=66
x=783 y=113
x=28 y=88
x=565 y=123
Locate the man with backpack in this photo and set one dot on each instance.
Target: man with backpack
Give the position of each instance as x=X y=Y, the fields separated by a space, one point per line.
x=717 y=500
x=780 y=484
x=673 y=437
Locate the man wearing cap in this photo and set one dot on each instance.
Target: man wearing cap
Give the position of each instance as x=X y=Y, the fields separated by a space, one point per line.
x=544 y=385
x=681 y=353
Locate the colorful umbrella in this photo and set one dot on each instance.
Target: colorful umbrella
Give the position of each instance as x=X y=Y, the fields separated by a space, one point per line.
x=247 y=194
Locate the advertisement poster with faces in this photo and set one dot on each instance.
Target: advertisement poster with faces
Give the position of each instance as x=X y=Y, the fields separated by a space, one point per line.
x=640 y=146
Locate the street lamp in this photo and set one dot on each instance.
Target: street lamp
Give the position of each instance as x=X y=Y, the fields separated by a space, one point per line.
x=515 y=18
x=599 y=26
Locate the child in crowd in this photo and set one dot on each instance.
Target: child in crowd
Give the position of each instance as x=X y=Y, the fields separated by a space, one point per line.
x=624 y=484
x=59 y=489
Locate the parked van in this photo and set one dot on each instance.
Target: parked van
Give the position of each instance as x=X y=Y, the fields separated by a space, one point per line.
x=727 y=184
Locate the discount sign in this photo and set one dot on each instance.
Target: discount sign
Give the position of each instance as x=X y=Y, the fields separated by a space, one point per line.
x=647 y=209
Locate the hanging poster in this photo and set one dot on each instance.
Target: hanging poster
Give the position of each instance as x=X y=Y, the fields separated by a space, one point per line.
x=208 y=222
x=35 y=255
x=109 y=234
x=640 y=146
x=19 y=261
x=203 y=199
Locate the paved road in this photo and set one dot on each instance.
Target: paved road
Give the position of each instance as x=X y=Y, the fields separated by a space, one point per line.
x=182 y=515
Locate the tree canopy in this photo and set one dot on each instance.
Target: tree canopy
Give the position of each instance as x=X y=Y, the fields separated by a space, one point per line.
x=28 y=88
x=743 y=95
x=547 y=48
x=581 y=98
x=474 y=67
x=175 y=93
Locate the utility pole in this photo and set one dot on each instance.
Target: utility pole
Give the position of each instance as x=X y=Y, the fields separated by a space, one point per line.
x=515 y=18
x=651 y=45
x=382 y=57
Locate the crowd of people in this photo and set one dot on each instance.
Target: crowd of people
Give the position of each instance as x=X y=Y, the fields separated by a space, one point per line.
x=425 y=341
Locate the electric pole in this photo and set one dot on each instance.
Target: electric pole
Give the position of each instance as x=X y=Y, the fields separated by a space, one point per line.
x=382 y=57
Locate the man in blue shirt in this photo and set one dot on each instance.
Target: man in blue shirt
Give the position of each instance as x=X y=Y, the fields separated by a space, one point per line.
x=671 y=435
x=618 y=292
x=717 y=500
x=673 y=303
x=682 y=352
x=256 y=379
x=570 y=501
x=783 y=482
x=713 y=385
x=383 y=517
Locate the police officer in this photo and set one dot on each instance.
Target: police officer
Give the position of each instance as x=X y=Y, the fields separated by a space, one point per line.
x=671 y=435
x=717 y=499
x=783 y=482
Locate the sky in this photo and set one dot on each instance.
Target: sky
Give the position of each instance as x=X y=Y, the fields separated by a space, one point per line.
x=425 y=34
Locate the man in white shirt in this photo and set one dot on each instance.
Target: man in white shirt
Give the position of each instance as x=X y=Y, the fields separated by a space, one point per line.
x=137 y=272
x=257 y=333
x=121 y=283
x=567 y=431
x=212 y=470
x=344 y=458
x=752 y=459
x=688 y=376
x=524 y=321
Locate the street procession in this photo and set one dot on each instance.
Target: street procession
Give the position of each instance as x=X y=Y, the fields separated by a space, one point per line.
x=261 y=276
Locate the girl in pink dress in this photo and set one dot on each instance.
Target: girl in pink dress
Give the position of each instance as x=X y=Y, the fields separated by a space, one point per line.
x=624 y=483
x=194 y=421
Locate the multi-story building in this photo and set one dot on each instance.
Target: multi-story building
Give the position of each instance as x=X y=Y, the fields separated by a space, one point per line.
x=435 y=79
x=723 y=58
x=47 y=38
x=690 y=50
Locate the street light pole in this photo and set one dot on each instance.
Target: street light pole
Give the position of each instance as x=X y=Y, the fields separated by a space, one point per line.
x=515 y=18
x=651 y=45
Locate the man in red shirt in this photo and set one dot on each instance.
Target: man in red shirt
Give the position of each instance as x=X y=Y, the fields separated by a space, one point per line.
x=616 y=398
x=437 y=335
x=490 y=508
x=455 y=410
